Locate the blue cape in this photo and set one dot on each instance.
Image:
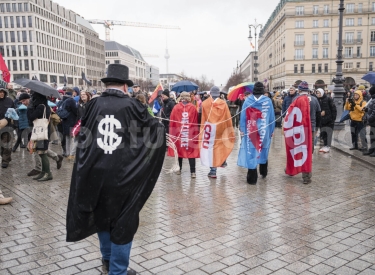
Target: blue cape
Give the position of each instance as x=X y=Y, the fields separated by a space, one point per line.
x=258 y=120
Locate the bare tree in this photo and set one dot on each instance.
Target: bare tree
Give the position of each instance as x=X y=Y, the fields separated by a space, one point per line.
x=234 y=80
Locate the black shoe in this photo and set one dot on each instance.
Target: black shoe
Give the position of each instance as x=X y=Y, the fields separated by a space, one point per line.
x=131 y=272
x=105 y=267
x=4 y=165
x=353 y=148
x=14 y=149
x=41 y=175
x=23 y=146
x=46 y=177
x=372 y=155
x=33 y=173
x=363 y=149
x=369 y=152
x=59 y=161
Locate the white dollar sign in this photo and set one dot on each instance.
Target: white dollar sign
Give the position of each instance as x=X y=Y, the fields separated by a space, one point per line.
x=110 y=140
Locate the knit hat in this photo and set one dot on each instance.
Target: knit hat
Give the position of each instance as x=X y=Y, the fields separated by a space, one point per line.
x=68 y=93
x=303 y=86
x=258 y=88
x=166 y=92
x=76 y=89
x=372 y=90
x=361 y=87
x=185 y=96
x=321 y=91
x=214 y=92
x=24 y=96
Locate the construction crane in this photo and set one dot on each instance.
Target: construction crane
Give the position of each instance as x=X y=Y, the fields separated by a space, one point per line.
x=109 y=23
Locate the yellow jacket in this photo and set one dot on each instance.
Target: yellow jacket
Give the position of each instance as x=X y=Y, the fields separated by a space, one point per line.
x=358 y=112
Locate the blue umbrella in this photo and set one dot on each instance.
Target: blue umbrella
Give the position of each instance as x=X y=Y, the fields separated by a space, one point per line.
x=345 y=116
x=370 y=77
x=51 y=104
x=184 y=86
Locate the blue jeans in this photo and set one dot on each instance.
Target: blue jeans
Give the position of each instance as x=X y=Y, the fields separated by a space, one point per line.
x=117 y=255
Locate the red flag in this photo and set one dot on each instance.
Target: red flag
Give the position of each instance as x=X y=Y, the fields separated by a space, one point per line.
x=4 y=68
x=298 y=137
x=155 y=93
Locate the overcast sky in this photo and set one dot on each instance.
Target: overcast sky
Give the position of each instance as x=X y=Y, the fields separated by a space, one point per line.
x=213 y=35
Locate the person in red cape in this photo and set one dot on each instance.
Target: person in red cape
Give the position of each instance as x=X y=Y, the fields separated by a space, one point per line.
x=184 y=131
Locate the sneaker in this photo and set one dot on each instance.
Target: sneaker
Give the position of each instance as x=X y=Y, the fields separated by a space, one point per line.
x=59 y=160
x=327 y=149
x=193 y=176
x=4 y=165
x=212 y=175
x=225 y=164
x=5 y=200
x=306 y=181
x=322 y=150
x=33 y=172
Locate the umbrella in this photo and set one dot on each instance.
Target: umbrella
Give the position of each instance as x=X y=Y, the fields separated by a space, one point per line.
x=240 y=89
x=51 y=104
x=370 y=77
x=38 y=87
x=184 y=86
x=345 y=116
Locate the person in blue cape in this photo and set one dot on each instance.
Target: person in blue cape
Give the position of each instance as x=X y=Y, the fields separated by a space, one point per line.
x=257 y=124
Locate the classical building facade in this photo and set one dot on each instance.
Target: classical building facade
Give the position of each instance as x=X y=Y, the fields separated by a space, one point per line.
x=94 y=53
x=300 y=40
x=249 y=67
x=40 y=38
x=116 y=53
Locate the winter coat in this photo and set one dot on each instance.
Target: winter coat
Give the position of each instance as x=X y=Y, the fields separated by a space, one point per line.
x=287 y=101
x=71 y=120
x=5 y=103
x=167 y=108
x=12 y=94
x=356 y=110
x=371 y=112
x=36 y=110
x=81 y=110
x=23 y=121
x=327 y=105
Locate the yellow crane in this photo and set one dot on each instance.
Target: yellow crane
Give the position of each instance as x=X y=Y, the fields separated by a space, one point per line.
x=109 y=23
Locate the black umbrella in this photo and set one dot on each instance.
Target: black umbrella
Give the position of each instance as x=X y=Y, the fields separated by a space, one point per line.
x=38 y=87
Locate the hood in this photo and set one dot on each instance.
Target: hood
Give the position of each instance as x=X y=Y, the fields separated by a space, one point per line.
x=276 y=95
x=6 y=92
x=358 y=92
x=76 y=89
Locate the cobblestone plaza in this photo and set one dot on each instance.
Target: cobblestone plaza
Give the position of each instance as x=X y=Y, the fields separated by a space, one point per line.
x=206 y=226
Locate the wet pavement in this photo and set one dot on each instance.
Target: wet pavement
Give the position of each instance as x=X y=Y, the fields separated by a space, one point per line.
x=206 y=226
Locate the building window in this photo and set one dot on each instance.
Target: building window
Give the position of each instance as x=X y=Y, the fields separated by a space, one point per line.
x=26 y=65
x=8 y=7
x=24 y=21
x=32 y=64
x=315 y=9
x=315 y=39
x=14 y=65
x=373 y=21
x=349 y=37
x=20 y=9
x=359 y=21
x=348 y=52
x=12 y=36
x=6 y=22
x=14 y=51
x=326 y=9
x=360 y=6
x=107 y=62
x=319 y=68
x=349 y=22
x=349 y=8
x=302 y=68
x=358 y=65
x=2 y=8
x=315 y=53
x=348 y=65
x=299 y=24
x=370 y=64
x=25 y=51
x=117 y=62
x=14 y=7
x=1 y=37
x=31 y=50
x=20 y=65
x=359 y=52
x=26 y=6
x=372 y=36
x=30 y=21
x=24 y=36
x=372 y=51
x=313 y=68
x=299 y=10
x=43 y=77
x=325 y=52
x=326 y=68
x=373 y=6
x=295 y=69
x=325 y=38
x=300 y=40
x=326 y=23
x=315 y=23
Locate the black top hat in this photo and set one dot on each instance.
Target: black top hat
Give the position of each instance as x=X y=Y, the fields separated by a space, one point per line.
x=118 y=73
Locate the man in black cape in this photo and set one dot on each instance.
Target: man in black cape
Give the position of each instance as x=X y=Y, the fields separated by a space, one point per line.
x=119 y=157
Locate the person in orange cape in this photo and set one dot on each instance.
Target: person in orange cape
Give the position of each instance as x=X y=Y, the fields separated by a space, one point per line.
x=184 y=132
x=217 y=133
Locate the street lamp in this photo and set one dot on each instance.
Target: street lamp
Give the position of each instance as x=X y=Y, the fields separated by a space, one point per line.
x=339 y=80
x=255 y=26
